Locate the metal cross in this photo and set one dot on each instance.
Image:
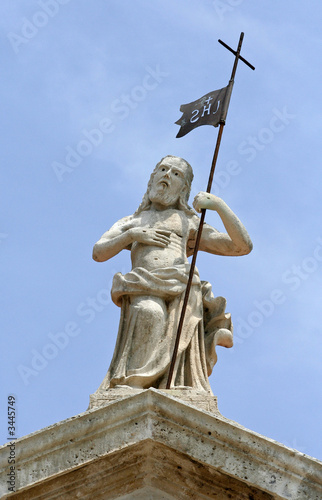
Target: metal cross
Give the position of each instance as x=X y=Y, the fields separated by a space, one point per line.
x=237 y=55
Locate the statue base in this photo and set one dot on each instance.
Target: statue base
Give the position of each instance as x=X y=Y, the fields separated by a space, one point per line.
x=153 y=445
x=203 y=400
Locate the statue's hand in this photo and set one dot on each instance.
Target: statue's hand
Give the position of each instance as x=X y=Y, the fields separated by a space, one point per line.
x=206 y=200
x=148 y=236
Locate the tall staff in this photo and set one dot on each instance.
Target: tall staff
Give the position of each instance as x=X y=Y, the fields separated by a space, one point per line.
x=205 y=112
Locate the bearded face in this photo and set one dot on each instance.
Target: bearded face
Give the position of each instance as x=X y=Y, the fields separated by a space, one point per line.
x=168 y=182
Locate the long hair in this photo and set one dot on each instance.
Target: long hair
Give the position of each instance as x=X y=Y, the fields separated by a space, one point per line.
x=183 y=196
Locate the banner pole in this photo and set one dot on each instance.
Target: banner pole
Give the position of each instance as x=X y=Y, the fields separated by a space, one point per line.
x=203 y=211
x=194 y=258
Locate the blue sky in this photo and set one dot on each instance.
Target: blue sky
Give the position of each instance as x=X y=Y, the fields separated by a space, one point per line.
x=117 y=72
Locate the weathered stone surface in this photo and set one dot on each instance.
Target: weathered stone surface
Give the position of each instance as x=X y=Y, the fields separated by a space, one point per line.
x=161 y=235
x=201 y=399
x=152 y=445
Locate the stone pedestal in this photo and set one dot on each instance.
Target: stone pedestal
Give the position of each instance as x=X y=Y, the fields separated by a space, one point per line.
x=152 y=445
x=200 y=399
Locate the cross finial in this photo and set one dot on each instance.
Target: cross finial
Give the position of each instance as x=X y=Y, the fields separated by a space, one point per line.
x=237 y=55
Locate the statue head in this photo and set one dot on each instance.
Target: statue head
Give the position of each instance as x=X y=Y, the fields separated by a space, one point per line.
x=169 y=185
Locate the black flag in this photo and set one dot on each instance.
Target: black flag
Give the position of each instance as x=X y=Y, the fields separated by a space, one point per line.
x=211 y=109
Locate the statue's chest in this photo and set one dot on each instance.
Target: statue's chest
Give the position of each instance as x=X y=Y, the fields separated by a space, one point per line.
x=173 y=221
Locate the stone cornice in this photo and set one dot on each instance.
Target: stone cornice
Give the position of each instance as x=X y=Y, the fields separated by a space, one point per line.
x=155 y=421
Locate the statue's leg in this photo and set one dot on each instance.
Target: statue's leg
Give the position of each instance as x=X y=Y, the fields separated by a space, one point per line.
x=148 y=334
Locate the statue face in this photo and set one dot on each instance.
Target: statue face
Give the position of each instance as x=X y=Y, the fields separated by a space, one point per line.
x=168 y=182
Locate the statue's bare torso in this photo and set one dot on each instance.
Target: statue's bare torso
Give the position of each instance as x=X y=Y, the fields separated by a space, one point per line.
x=182 y=229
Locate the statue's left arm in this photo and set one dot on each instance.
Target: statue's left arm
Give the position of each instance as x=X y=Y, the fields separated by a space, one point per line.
x=235 y=242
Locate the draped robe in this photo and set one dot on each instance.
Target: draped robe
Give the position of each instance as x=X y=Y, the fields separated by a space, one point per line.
x=142 y=357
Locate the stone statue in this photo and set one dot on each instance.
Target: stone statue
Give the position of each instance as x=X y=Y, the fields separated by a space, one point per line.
x=161 y=235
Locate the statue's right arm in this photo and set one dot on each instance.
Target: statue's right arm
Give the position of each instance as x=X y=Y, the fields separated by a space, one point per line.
x=123 y=234
x=114 y=240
